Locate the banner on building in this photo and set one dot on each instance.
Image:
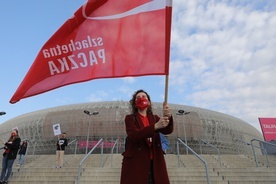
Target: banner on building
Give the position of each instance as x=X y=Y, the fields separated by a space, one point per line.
x=268 y=126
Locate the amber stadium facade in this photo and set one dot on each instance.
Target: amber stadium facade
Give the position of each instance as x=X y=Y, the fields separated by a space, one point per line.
x=228 y=134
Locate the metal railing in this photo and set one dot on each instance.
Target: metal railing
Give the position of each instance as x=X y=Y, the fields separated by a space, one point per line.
x=212 y=146
x=111 y=154
x=76 y=146
x=254 y=154
x=34 y=147
x=249 y=144
x=86 y=156
x=72 y=142
x=199 y=157
x=70 y=158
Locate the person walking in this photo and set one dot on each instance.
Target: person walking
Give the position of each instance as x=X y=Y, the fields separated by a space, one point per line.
x=143 y=158
x=61 y=144
x=11 y=149
x=22 y=152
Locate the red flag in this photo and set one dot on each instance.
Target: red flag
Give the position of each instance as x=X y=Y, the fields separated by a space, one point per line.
x=104 y=39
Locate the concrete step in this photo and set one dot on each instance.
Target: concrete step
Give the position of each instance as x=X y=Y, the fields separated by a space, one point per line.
x=43 y=178
x=246 y=170
x=246 y=173
x=250 y=178
x=48 y=174
x=236 y=169
x=174 y=178
x=171 y=182
x=251 y=182
x=47 y=169
x=42 y=182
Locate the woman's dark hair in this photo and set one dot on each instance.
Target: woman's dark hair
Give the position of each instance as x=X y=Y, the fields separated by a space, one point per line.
x=132 y=102
x=11 y=137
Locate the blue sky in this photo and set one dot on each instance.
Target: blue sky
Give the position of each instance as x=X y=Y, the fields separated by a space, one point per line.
x=223 y=56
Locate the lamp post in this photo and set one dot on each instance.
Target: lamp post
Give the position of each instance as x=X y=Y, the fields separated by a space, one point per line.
x=88 y=130
x=2 y=113
x=182 y=113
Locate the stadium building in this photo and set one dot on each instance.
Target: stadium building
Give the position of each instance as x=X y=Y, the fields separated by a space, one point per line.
x=227 y=133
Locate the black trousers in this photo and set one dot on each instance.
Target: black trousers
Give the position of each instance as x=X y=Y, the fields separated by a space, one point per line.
x=151 y=176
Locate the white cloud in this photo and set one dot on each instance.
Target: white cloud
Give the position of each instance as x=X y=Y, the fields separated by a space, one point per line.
x=223 y=56
x=129 y=80
x=97 y=96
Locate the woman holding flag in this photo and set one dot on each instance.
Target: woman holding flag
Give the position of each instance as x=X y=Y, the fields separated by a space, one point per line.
x=143 y=159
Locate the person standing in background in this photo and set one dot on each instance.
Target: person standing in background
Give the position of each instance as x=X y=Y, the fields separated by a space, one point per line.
x=22 y=152
x=11 y=149
x=61 y=144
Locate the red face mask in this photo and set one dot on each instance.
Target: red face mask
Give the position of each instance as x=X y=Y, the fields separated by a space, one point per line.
x=142 y=103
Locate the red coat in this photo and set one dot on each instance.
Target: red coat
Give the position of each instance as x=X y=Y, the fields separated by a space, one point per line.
x=136 y=160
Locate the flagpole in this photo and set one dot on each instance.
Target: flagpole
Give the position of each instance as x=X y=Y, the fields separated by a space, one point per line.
x=166 y=89
x=168 y=44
